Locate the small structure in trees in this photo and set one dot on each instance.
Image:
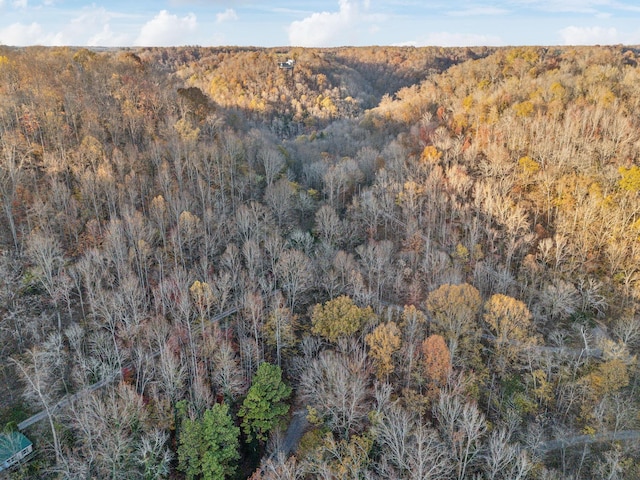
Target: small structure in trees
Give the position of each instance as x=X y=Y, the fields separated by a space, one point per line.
x=14 y=447
x=288 y=65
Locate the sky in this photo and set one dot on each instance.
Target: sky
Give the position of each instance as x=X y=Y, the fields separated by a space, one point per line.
x=314 y=23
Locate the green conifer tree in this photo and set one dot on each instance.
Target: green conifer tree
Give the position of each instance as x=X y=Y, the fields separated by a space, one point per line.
x=264 y=405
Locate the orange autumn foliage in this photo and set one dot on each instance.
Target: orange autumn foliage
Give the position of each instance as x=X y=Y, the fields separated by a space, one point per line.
x=437 y=362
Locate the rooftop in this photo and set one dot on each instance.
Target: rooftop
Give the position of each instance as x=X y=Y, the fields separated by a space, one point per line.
x=288 y=64
x=12 y=443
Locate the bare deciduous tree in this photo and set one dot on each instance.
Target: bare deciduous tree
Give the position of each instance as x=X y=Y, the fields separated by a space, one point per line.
x=279 y=468
x=329 y=226
x=46 y=253
x=279 y=327
x=504 y=460
x=293 y=272
x=273 y=162
x=11 y=175
x=462 y=427
x=227 y=374
x=413 y=449
x=376 y=258
x=279 y=198
x=41 y=378
x=336 y=386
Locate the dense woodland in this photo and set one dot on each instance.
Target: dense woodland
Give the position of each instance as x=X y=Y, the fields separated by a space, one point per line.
x=384 y=263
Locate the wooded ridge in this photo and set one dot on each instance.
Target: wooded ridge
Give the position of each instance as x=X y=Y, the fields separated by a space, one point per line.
x=377 y=262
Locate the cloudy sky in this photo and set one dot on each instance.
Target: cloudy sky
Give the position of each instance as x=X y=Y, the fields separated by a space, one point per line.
x=314 y=23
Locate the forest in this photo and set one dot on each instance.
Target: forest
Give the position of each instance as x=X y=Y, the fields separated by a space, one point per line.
x=381 y=263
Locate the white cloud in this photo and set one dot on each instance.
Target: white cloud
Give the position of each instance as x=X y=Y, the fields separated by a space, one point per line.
x=92 y=27
x=589 y=35
x=107 y=38
x=206 y=2
x=90 y=16
x=326 y=29
x=20 y=3
x=476 y=11
x=448 y=39
x=595 y=7
x=579 y=6
x=18 y=34
x=167 y=30
x=228 y=15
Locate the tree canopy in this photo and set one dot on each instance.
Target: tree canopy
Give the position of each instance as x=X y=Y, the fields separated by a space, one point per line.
x=265 y=404
x=209 y=445
x=339 y=318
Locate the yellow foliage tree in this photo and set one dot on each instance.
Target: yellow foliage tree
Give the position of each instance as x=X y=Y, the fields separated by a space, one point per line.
x=528 y=166
x=523 y=109
x=454 y=309
x=509 y=320
x=383 y=342
x=187 y=133
x=607 y=378
x=203 y=298
x=430 y=154
x=339 y=318
x=202 y=294
x=630 y=178
x=345 y=458
x=542 y=387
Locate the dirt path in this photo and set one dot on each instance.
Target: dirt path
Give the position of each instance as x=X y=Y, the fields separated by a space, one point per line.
x=295 y=430
x=621 y=436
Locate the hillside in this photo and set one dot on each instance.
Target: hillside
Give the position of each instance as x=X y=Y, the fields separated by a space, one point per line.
x=431 y=254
